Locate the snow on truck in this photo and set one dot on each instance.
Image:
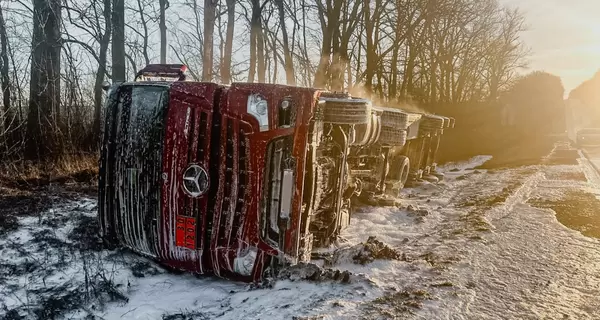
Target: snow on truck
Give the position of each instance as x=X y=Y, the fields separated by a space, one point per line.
x=240 y=180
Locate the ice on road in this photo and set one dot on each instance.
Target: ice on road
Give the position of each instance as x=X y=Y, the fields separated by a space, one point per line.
x=471 y=247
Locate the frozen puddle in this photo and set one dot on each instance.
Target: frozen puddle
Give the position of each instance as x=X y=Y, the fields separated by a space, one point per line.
x=470 y=247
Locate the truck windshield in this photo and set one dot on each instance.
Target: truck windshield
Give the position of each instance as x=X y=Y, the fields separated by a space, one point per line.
x=138 y=130
x=141 y=111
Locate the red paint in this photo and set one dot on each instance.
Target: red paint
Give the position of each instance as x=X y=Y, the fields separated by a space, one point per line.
x=197 y=98
x=180 y=231
x=305 y=100
x=244 y=134
x=185 y=234
x=193 y=112
x=190 y=233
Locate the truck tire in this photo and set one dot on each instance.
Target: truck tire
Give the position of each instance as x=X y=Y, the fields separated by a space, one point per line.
x=398 y=176
x=392 y=137
x=446 y=122
x=399 y=169
x=346 y=111
x=432 y=122
x=369 y=132
x=394 y=118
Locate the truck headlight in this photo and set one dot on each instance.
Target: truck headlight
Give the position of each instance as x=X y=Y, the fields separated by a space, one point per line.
x=244 y=262
x=258 y=107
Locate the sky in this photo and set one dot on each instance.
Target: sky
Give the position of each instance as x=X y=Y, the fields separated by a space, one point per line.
x=563 y=37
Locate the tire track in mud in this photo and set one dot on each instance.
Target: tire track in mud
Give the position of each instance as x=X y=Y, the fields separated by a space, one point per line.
x=530 y=266
x=473 y=201
x=473 y=207
x=457 y=221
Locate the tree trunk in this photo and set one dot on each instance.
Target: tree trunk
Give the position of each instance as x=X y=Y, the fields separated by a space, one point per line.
x=257 y=61
x=370 y=48
x=118 y=43
x=145 y=33
x=226 y=63
x=433 y=81
x=320 y=80
x=252 y=68
x=44 y=99
x=329 y=28
x=393 y=87
x=164 y=4
x=4 y=75
x=289 y=64
x=261 y=69
x=209 y=28
x=274 y=74
x=336 y=69
x=100 y=73
x=408 y=79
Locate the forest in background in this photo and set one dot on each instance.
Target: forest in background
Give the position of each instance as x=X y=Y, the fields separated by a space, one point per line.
x=454 y=57
x=55 y=54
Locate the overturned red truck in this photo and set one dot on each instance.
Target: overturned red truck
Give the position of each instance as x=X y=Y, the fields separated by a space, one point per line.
x=243 y=179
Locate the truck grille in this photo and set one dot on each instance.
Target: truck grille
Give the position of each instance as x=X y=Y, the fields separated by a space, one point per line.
x=234 y=168
x=198 y=146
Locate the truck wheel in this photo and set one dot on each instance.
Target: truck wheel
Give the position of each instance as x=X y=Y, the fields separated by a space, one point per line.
x=394 y=118
x=346 y=111
x=392 y=137
x=405 y=170
x=399 y=170
x=367 y=133
x=431 y=124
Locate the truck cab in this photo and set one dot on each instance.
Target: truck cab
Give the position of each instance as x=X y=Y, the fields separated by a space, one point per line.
x=238 y=180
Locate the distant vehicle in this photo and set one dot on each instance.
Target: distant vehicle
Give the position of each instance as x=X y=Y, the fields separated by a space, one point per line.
x=240 y=180
x=588 y=137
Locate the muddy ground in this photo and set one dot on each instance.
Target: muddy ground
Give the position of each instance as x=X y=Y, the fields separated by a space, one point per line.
x=406 y=262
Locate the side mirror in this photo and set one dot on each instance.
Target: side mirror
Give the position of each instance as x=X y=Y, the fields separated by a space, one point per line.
x=105 y=85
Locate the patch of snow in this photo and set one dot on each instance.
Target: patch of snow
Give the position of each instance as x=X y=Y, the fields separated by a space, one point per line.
x=467 y=165
x=471 y=248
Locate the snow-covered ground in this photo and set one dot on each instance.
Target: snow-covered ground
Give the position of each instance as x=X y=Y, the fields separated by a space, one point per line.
x=470 y=247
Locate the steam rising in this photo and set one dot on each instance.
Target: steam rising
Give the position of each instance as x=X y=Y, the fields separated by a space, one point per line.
x=358 y=90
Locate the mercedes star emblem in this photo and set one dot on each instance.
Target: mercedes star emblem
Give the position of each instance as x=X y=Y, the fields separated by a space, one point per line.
x=195 y=180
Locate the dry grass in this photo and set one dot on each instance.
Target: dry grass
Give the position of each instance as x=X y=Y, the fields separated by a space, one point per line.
x=28 y=188
x=77 y=168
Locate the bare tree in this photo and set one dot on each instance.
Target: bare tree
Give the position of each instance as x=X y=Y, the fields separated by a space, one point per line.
x=118 y=43
x=329 y=16
x=164 y=5
x=93 y=19
x=289 y=64
x=209 y=28
x=189 y=40
x=505 y=53
x=257 y=42
x=44 y=97
x=100 y=73
x=228 y=50
x=4 y=75
x=431 y=52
